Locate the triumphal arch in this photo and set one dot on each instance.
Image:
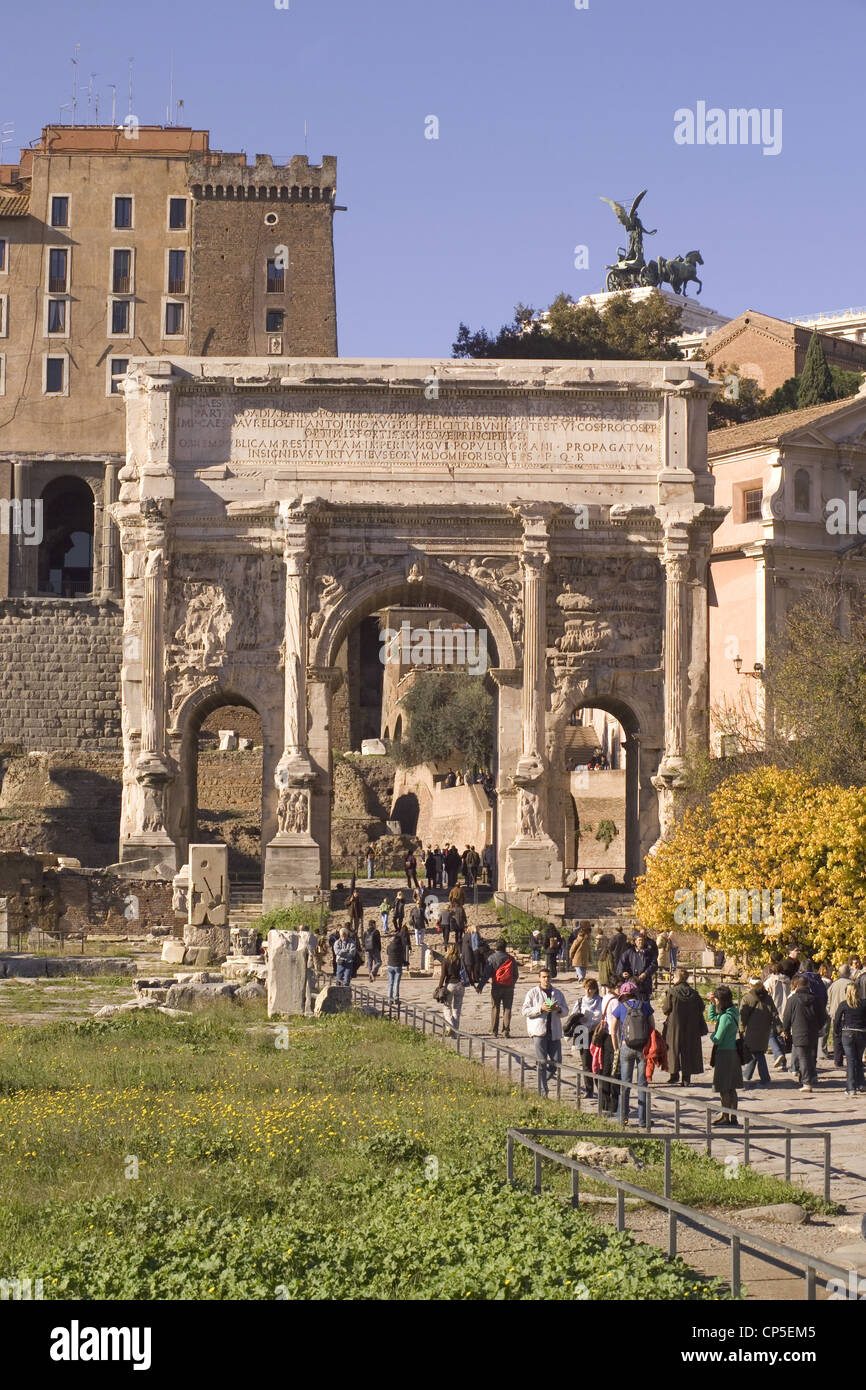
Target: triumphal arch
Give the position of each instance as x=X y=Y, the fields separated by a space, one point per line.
x=267 y=506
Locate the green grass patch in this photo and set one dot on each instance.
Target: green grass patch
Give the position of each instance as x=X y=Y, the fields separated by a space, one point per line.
x=309 y=916
x=517 y=925
x=361 y=1160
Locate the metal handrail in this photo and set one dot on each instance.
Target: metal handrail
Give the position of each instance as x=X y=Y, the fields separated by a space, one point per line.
x=770 y=1251
x=787 y=1130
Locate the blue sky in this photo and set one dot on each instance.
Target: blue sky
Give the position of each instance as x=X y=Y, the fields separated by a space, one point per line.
x=542 y=108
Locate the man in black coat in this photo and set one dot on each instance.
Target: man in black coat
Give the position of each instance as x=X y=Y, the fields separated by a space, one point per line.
x=801 y=1022
x=452 y=865
x=640 y=962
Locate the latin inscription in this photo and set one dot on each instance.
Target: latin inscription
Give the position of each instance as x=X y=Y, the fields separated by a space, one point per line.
x=613 y=434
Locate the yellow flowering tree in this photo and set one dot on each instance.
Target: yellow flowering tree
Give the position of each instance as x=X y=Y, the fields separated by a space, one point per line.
x=770 y=859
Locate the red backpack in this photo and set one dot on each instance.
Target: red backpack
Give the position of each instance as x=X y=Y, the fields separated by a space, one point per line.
x=504 y=974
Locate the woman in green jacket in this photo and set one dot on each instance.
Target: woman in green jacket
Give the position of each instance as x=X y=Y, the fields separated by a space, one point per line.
x=727 y=1072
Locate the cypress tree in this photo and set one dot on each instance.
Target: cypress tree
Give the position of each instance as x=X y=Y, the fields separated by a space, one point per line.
x=816 y=380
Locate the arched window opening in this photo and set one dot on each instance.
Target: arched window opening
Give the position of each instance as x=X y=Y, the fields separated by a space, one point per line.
x=65 y=567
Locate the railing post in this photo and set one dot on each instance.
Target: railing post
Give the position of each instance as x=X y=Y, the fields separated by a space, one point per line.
x=522 y=1072
x=787 y=1155
x=672 y=1234
x=810 y=1283
x=536 y=1186
x=498 y=1056
x=469 y=1052
x=676 y=1116
x=735 y=1266
x=746 y=1146
x=827 y=1167
x=709 y=1116
x=667 y=1187
x=575 y=1188
x=649 y=1110
x=482 y=1052
x=620 y=1209
x=509 y=1159
x=559 y=1083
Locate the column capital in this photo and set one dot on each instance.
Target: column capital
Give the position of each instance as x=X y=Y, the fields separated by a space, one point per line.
x=332 y=676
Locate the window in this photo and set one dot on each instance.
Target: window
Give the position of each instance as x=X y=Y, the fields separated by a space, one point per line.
x=58 y=271
x=55 y=376
x=177 y=214
x=276 y=278
x=119 y=317
x=56 y=316
x=4 y=256
x=274 y=321
x=802 y=491
x=173 y=320
x=123 y=212
x=117 y=367
x=60 y=212
x=121 y=272
x=65 y=555
x=176 y=272
x=752 y=498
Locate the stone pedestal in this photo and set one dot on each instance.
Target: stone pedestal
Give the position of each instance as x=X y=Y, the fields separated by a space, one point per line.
x=217 y=940
x=532 y=864
x=292 y=868
x=149 y=858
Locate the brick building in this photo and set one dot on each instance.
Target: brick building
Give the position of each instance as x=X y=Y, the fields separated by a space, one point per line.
x=111 y=248
x=772 y=350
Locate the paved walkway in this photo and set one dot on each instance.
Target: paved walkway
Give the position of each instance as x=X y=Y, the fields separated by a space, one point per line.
x=827 y=1108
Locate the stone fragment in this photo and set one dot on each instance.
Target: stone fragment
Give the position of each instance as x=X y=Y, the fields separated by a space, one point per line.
x=785 y=1213
x=252 y=991
x=205 y=944
x=370 y=746
x=228 y=740
x=198 y=996
x=291 y=973
x=246 y=745
x=208 y=898
x=173 y=952
x=603 y=1155
x=333 y=999
x=850 y=1256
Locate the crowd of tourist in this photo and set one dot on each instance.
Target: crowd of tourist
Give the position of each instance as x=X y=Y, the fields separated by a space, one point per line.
x=627 y=1022
x=440 y=866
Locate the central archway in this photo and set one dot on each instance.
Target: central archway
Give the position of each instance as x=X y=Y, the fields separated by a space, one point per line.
x=437 y=588
x=223 y=788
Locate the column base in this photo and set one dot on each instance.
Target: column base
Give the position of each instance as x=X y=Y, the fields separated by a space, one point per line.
x=532 y=864
x=150 y=855
x=293 y=868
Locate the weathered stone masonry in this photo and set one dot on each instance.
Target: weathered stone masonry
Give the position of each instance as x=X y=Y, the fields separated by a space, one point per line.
x=60 y=673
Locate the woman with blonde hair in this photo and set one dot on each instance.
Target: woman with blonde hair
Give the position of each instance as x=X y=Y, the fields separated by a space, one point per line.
x=451 y=987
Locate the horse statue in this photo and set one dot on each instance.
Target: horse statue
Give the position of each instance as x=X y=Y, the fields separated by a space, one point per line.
x=676 y=272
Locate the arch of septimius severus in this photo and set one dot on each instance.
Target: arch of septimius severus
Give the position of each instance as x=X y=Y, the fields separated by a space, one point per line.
x=266 y=507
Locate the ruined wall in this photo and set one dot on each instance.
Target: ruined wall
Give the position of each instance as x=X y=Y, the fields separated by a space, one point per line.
x=61 y=673
x=62 y=803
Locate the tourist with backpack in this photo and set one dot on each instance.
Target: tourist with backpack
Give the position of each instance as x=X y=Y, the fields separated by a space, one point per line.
x=552 y=947
x=632 y=1023
x=474 y=952
x=373 y=949
x=544 y=1008
x=640 y=963
x=502 y=972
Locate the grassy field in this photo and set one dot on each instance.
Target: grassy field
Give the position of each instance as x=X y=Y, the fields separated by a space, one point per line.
x=216 y=1158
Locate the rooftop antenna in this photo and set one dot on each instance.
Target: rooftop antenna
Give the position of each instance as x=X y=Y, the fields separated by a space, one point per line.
x=90 y=94
x=177 y=110
x=306 y=151
x=131 y=62
x=170 y=106
x=75 y=82
x=7 y=132
x=67 y=106
x=113 y=86
x=96 y=106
